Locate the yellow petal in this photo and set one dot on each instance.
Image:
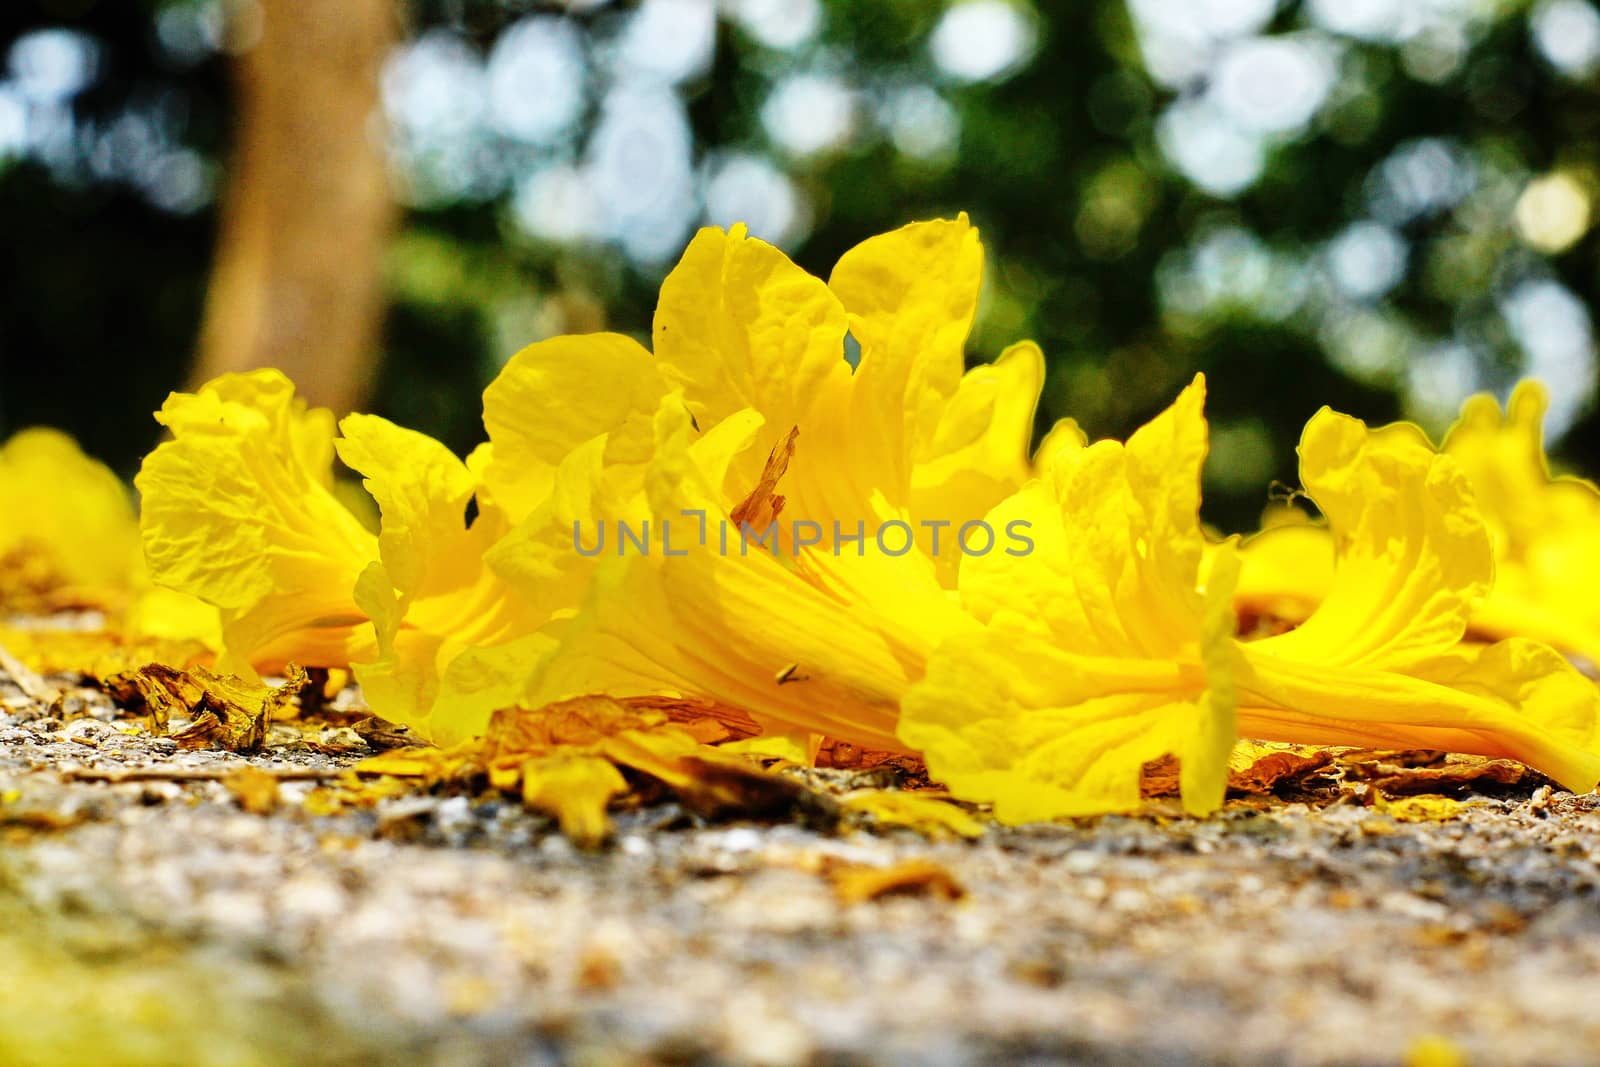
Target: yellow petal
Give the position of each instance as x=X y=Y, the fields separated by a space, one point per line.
x=168 y=615
x=1064 y=436
x=575 y=789
x=432 y=599
x=1544 y=529
x=1503 y=457
x=911 y=296
x=1419 y=809
x=422 y=491
x=978 y=454
x=928 y=815
x=1287 y=571
x=554 y=396
x=739 y=326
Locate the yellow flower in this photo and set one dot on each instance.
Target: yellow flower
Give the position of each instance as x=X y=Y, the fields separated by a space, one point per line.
x=68 y=535
x=758 y=417
x=1381 y=661
x=238 y=510
x=445 y=622
x=1099 y=653
x=1544 y=530
x=1038 y=672
x=70 y=539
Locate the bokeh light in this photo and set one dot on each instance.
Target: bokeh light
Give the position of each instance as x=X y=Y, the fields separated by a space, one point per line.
x=1383 y=204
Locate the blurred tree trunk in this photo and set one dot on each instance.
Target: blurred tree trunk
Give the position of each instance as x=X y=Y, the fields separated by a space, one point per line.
x=307 y=209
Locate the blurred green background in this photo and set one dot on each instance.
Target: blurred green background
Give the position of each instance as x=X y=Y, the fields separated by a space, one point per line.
x=1382 y=205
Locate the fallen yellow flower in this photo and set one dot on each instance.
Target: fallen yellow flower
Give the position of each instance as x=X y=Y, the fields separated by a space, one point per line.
x=69 y=539
x=238 y=510
x=1041 y=679
x=1100 y=653
x=882 y=464
x=1544 y=530
x=68 y=536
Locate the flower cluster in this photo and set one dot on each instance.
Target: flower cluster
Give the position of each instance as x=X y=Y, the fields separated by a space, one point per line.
x=1041 y=681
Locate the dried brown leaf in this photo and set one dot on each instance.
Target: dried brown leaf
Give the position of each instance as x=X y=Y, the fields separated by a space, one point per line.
x=225 y=711
x=1398 y=775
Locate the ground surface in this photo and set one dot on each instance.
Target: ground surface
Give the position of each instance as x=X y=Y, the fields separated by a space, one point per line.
x=156 y=921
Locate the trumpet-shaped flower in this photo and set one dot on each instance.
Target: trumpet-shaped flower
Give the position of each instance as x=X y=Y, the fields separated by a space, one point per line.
x=1381 y=661
x=761 y=420
x=238 y=510
x=1543 y=529
x=1546 y=530
x=1099 y=653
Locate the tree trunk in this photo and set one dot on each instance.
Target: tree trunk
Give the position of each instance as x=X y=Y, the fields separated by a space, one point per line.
x=297 y=282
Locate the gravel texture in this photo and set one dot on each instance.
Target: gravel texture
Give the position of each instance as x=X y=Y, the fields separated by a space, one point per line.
x=157 y=922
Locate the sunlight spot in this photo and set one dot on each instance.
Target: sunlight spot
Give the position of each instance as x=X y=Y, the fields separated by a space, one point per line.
x=982 y=40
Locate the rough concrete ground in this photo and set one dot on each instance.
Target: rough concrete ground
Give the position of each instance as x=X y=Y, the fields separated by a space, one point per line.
x=156 y=922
